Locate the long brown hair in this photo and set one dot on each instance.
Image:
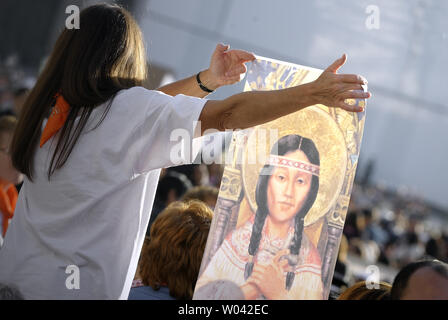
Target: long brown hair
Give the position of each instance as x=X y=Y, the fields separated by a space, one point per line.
x=88 y=66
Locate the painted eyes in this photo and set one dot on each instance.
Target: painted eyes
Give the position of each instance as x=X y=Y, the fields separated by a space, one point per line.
x=282 y=178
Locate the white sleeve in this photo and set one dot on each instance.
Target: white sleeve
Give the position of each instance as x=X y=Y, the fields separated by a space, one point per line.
x=167 y=131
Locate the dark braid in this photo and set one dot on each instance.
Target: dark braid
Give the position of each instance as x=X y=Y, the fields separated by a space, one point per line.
x=294 y=249
x=260 y=218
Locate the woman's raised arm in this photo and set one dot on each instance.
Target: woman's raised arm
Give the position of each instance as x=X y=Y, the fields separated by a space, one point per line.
x=226 y=68
x=249 y=109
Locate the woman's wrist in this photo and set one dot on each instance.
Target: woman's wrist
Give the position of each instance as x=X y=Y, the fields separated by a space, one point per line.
x=208 y=80
x=309 y=94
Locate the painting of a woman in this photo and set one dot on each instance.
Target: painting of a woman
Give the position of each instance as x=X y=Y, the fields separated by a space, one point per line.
x=269 y=256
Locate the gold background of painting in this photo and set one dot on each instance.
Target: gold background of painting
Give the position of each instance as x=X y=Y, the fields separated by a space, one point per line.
x=330 y=143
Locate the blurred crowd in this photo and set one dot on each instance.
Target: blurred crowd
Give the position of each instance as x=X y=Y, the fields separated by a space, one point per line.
x=387 y=229
x=15 y=84
x=394 y=229
x=14 y=88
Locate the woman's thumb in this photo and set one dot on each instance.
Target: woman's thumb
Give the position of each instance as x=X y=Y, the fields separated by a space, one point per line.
x=334 y=67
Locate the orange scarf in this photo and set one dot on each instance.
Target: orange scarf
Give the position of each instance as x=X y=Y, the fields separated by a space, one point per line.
x=56 y=120
x=8 y=200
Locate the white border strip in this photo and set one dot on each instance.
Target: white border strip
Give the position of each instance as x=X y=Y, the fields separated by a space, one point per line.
x=287 y=63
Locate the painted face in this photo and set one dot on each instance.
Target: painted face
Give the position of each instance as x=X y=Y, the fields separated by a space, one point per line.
x=288 y=189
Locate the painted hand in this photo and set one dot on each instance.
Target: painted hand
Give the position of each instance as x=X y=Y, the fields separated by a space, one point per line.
x=270 y=279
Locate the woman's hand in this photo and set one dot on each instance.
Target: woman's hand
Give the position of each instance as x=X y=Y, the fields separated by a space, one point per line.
x=332 y=89
x=226 y=67
x=270 y=278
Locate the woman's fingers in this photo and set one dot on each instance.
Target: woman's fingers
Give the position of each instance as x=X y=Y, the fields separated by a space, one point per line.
x=333 y=68
x=244 y=56
x=351 y=78
x=351 y=86
x=334 y=89
x=237 y=70
x=355 y=94
x=349 y=108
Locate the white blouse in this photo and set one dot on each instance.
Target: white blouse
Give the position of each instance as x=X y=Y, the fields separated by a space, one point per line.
x=79 y=235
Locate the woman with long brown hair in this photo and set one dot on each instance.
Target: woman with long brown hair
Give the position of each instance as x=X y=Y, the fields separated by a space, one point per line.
x=91 y=142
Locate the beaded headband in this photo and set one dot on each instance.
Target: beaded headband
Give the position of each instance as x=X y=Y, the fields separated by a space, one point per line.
x=285 y=162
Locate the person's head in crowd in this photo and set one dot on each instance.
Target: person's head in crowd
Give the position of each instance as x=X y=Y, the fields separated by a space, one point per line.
x=421 y=280
x=10 y=293
x=350 y=226
x=20 y=96
x=173 y=255
x=196 y=173
x=361 y=222
x=215 y=172
x=412 y=238
x=200 y=175
x=368 y=250
x=7 y=171
x=414 y=223
x=367 y=213
x=388 y=252
x=207 y=194
x=172 y=187
x=360 y=291
x=435 y=246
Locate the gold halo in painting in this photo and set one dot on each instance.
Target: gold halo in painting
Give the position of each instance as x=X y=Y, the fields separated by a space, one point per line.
x=312 y=123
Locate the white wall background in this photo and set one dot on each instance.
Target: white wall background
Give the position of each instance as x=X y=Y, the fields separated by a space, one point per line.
x=405 y=61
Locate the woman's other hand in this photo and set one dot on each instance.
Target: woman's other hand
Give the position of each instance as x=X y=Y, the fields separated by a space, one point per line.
x=226 y=67
x=332 y=89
